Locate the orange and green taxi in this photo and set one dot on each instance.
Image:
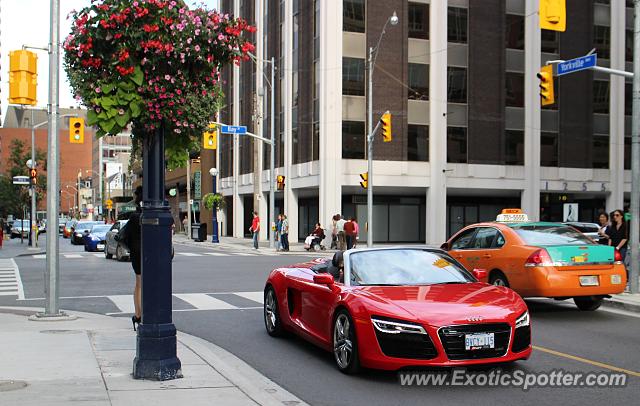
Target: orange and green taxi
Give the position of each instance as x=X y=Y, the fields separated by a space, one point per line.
x=540 y=259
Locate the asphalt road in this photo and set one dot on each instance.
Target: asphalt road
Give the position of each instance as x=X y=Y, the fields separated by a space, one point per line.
x=565 y=338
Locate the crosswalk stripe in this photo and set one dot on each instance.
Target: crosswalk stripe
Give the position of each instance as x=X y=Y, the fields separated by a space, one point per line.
x=254 y=296
x=11 y=288
x=40 y=256
x=244 y=254
x=9 y=293
x=189 y=254
x=6 y=271
x=72 y=256
x=216 y=254
x=11 y=283
x=98 y=255
x=203 y=301
x=123 y=302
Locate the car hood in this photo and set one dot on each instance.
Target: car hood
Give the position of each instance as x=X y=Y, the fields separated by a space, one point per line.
x=98 y=235
x=440 y=305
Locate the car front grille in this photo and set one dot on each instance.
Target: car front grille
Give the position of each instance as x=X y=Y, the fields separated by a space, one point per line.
x=521 y=339
x=406 y=345
x=453 y=338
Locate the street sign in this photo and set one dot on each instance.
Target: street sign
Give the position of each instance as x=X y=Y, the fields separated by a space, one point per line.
x=197 y=181
x=574 y=65
x=21 y=180
x=234 y=129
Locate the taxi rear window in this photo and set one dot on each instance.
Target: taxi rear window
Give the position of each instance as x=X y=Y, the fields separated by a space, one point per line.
x=551 y=235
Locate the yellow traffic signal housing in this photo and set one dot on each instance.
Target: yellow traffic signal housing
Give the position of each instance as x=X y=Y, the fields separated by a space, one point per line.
x=210 y=138
x=280 y=182
x=76 y=130
x=23 y=77
x=365 y=180
x=553 y=15
x=33 y=174
x=546 y=85
x=385 y=120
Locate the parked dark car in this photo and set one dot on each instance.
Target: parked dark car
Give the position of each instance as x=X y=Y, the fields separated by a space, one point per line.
x=113 y=247
x=80 y=229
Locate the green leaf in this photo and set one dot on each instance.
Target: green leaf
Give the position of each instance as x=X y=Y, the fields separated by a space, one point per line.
x=123 y=119
x=107 y=101
x=107 y=125
x=136 y=108
x=137 y=76
x=108 y=88
x=126 y=86
x=92 y=117
x=102 y=115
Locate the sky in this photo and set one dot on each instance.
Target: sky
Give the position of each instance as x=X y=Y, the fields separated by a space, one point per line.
x=26 y=22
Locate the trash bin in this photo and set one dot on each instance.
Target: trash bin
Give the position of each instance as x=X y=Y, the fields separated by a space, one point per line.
x=199 y=231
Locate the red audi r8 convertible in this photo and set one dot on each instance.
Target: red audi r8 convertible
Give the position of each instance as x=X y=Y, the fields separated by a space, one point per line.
x=389 y=308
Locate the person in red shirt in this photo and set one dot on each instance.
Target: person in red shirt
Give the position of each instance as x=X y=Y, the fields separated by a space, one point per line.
x=255 y=229
x=350 y=233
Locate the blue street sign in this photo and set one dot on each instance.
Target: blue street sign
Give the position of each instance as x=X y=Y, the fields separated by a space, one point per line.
x=234 y=129
x=574 y=65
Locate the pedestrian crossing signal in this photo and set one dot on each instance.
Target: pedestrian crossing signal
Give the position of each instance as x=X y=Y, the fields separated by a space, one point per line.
x=280 y=182
x=385 y=120
x=546 y=85
x=365 y=180
x=210 y=138
x=33 y=175
x=76 y=130
x=553 y=15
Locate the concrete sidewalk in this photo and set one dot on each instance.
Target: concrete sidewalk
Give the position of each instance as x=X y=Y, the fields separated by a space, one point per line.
x=89 y=360
x=240 y=244
x=624 y=301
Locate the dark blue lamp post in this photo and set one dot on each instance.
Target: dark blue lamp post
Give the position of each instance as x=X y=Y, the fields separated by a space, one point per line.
x=214 y=237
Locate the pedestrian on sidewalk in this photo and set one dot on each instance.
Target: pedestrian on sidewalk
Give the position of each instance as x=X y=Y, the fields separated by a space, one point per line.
x=349 y=233
x=334 y=232
x=255 y=229
x=278 y=232
x=356 y=232
x=1 y=231
x=342 y=241
x=132 y=238
x=603 y=220
x=184 y=225
x=284 y=233
x=618 y=235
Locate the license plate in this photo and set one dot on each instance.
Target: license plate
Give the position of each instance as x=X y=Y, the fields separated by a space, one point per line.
x=579 y=258
x=589 y=281
x=100 y=246
x=478 y=341
x=616 y=279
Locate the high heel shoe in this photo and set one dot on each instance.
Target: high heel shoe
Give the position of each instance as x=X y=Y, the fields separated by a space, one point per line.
x=135 y=320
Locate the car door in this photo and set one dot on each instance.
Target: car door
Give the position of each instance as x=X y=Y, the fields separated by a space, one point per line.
x=317 y=304
x=486 y=248
x=460 y=244
x=110 y=245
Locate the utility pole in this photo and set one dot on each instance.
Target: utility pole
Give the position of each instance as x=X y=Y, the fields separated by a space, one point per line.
x=188 y=195
x=32 y=234
x=635 y=156
x=272 y=164
x=370 y=148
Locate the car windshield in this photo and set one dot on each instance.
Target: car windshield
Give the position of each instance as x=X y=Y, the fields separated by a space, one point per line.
x=101 y=228
x=69 y=223
x=405 y=267
x=84 y=225
x=551 y=235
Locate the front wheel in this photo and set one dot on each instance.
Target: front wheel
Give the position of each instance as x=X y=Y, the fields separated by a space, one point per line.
x=588 y=303
x=345 y=346
x=271 y=314
x=106 y=252
x=498 y=279
x=119 y=253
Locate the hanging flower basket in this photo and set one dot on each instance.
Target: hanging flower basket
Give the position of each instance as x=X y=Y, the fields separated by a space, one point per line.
x=151 y=64
x=211 y=200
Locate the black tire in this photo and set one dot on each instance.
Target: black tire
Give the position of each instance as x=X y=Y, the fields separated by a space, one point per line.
x=119 y=256
x=271 y=313
x=497 y=278
x=588 y=303
x=345 y=344
x=106 y=252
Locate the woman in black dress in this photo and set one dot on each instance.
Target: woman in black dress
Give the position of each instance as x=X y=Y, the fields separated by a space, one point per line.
x=617 y=232
x=133 y=238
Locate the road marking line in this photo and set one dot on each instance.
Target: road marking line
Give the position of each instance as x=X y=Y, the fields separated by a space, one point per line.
x=189 y=254
x=587 y=361
x=8 y=293
x=39 y=256
x=98 y=255
x=244 y=254
x=203 y=301
x=123 y=302
x=11 y=283
x=253 y=296
x=234 y=308
x=72 y=256
x=9 y=288
x=216 y=254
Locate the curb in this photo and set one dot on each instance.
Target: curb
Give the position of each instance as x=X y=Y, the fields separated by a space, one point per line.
x=622 y=305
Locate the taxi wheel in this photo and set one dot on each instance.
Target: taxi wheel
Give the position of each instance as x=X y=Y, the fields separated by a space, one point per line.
x=588 y=303
x=498 y=279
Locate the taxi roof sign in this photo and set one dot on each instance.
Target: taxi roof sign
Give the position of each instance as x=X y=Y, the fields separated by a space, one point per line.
x=512 y=216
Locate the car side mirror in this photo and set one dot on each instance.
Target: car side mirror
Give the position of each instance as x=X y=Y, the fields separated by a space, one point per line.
x=480 y=274
x=323 y=279
x=116 y=237
x=445 y=246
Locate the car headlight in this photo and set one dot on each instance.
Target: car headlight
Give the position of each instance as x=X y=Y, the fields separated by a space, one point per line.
x=94 y=238
x=523 y=320
x=78 y=234
x=396 y=327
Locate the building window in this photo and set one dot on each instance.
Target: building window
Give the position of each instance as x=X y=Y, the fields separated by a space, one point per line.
x=353 y=139
x=418 y=20
x=602 y=40
x=514 y=148
x=514 y=87
x=627 y=152
x=628 y=45
x=549 y=41
x=601 y=151
x=548 y=148
x=353 y=76
x=628 y=98
x=418 y=81
x=418 y=142
x=601 y=96
x=457 y=145
x=514 y=37
x=457 y=25
x=353 y=15
x=456 y=85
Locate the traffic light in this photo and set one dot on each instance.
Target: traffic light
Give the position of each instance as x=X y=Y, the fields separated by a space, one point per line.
x=210 y=138
x=23 y=77
x=546 y=85
x=280 y=182
x=385 y=120
x=365 y=180
x=109 y=204
x=76 y=130
x=553 y=15
x=33 y=174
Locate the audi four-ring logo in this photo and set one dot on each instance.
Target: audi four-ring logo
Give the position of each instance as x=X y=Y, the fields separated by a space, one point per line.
x=477 y=318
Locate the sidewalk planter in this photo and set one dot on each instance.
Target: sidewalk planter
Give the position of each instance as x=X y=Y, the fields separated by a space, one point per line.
x=199 y=231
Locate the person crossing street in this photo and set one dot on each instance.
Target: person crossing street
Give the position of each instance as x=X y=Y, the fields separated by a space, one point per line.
x=255 y=229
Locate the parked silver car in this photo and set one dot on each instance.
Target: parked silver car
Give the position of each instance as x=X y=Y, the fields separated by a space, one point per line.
x=113 y=247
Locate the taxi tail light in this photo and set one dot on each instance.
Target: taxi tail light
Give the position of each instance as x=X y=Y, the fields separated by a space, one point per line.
x=539 y=257
x=617 y=256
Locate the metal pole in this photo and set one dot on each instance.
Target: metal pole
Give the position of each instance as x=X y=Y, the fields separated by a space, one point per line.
x=214 y=220
x=370 y=152
x=53 y=182
x=32 y=235
x=635 y=155
x=188 y=195
x=272 y=164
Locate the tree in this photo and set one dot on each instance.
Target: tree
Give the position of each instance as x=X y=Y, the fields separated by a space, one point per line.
x=14 y=197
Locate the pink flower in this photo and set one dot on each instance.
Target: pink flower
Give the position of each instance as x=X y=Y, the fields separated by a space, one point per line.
x=197 y=48
x=98 y=90
x=167 y=77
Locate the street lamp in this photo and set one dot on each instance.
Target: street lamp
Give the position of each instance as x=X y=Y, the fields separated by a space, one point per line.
x=214 y=237
x=373 y=54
